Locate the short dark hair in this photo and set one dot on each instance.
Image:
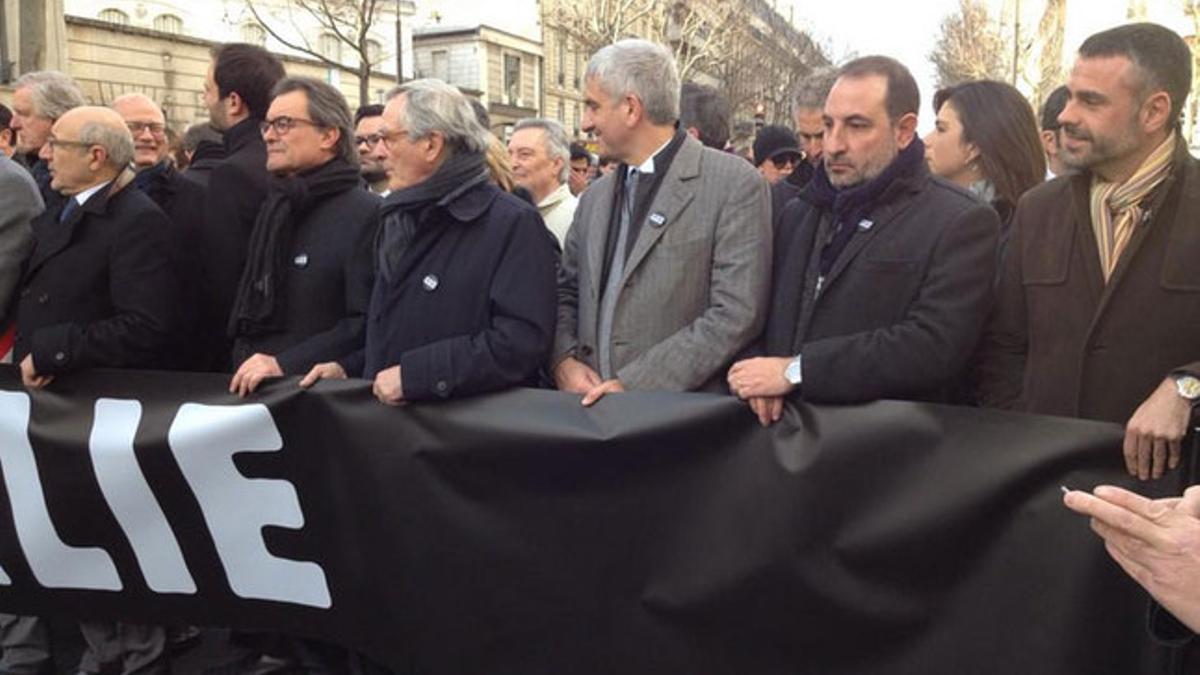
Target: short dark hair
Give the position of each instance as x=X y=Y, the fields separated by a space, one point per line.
x=1161 y=55
x=5 y=117
x=481 y=113
x=249 y=70
x=706 y=110
x=578 y=151
x=1000 y=123
x=1053 y=106
x=365 y=111
x=903 y=97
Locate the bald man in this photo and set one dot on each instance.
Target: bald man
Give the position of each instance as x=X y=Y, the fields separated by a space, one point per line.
x=182 y=199
x=98 y=292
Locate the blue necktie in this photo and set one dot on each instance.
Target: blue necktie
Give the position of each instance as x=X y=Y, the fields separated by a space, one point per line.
x=68 y=209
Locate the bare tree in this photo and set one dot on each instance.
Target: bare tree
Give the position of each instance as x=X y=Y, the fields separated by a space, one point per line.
x=969 y=47
x=348 y=21
x=1050 y=34
x=1191 y=9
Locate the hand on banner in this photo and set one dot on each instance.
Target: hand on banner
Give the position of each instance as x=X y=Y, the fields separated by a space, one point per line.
x=30 y=376
x=331 y=370
x=597 y=392
x=252 y=372
x=769 y=409
x=1155 y=432
x=1157 y=542
x=759 y=377
x=388 y=387
x=574 y=376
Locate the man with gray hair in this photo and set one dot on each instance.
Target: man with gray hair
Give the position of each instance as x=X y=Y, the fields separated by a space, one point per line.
x=99 y=291
x=807 y=111
x=303 y=295
x=464 y=297
x=40 y=98
x=540 y=154
x=665 y=274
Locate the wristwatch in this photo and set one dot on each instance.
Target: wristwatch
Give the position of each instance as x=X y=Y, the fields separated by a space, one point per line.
x=1188 y=387
x=792 y=373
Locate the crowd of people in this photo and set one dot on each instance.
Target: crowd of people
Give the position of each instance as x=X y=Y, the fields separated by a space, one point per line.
x=1035 y=262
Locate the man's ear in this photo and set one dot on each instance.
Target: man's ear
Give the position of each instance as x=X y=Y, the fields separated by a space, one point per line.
x=906 y=129
x=634 y=110
x=330 y=138
x=236 y=105
x=1156 y=112
x=693 y=132
x=435 y=143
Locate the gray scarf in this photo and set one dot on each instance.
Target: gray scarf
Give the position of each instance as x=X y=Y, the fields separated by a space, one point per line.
x=401 y=209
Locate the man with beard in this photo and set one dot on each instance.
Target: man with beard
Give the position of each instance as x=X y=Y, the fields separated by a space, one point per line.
x=180 y=198
x=883 y=273
x=1099 y=302
x=39 y=99
x=303 y=295
x=237 y=92
x=372 y=159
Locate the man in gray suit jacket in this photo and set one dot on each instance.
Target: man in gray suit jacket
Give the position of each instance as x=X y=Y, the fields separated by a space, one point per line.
x=20 y=203
x=666 y=269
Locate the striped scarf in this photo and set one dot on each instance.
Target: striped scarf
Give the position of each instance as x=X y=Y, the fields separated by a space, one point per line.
x=1116 y=207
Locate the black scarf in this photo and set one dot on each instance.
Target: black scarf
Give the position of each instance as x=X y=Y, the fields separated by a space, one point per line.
x=288 y=200
x=155 y=181
x=401 y=209
x=851 y=205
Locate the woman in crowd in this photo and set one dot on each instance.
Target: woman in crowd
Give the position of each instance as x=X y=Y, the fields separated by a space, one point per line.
x=986 y=140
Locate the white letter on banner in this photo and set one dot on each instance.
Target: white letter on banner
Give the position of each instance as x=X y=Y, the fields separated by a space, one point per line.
x=54 y=564
x=132 y=502
x=204 y=439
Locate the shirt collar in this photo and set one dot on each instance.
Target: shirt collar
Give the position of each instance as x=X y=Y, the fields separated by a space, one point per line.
x=648 y=165
x=82 y=197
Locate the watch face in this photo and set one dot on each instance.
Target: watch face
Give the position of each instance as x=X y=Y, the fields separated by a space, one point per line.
x=1189 y=387
x=792 y=372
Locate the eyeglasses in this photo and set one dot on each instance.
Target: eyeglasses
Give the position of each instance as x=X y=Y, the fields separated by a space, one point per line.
x=155 y=128
x=371 y=140
x=782 y=161
x=55 y=143
x=283 y=124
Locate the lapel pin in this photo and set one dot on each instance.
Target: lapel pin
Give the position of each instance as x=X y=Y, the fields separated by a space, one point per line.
x=865 y=224
x=430 y=282
x=301 y=260
x=657 y=219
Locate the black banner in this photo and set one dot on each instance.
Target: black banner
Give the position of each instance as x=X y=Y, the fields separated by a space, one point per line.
x=522 y=533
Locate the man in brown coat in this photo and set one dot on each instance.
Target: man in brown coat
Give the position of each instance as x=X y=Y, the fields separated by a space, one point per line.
x=1098 y=314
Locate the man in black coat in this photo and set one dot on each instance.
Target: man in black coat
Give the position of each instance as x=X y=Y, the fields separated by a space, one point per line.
x=465 y=296
x=98 y=292
x=883 y=274
x=237 y=91
x=205 y=149
x=303 y=296
x=181 y=199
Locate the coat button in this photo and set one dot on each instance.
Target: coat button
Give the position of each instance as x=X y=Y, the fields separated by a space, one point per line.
x=430 y=282
x=43 y=298
x=60 y=356
x=441 y=386
x=301 y=260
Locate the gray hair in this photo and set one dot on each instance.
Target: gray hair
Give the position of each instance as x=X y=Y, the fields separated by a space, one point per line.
x=199 y=133
x=327 y=108
x=641 y=68
x=53 y=93
x=434 y=106
x=814 y=89
x=558 y=145
x=116 y=141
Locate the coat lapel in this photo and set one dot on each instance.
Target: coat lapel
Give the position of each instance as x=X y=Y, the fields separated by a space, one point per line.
x=880 y=218
x=673 y=196
x=53 y=236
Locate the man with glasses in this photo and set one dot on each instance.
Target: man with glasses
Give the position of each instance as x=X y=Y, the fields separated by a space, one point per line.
x=183 y=201
x=775 y=153
x=372 y=156
x=98 y=292
x=237 y=92
x=303 y=295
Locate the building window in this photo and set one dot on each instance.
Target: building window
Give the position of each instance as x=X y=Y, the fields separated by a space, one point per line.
x=374 y=52
x=575 y=114
x=168 y=23
x=578 y=68
x=562 y=112
x=512 y=79
x=562 y=58
x=441 y=65
x=254 y=34
x=329 y=46
x=114 y=16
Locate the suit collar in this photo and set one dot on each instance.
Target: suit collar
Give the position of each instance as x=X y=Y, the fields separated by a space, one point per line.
x=674 y=194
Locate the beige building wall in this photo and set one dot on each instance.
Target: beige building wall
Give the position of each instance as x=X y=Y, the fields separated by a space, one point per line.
x=109 y=60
